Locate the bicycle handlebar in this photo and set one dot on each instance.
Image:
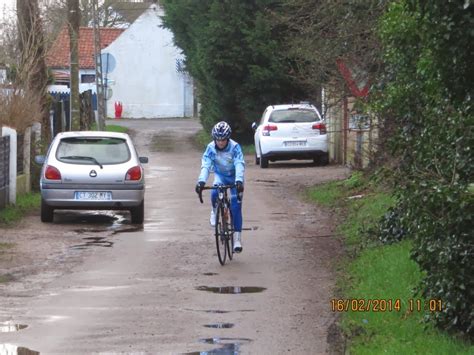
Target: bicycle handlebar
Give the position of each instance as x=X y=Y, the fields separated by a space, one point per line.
x=216 y=187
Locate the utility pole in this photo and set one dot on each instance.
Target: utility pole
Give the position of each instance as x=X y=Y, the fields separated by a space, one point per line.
x=98 y=69
x=73 y=21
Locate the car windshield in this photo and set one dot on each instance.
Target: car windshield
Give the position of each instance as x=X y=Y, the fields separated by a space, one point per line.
x=93 y=150
x=293 y=115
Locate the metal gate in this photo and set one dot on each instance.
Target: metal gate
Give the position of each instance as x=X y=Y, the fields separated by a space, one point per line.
x=4 y=170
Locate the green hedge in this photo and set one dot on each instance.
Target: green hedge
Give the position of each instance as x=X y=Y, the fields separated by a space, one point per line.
x=425 y=94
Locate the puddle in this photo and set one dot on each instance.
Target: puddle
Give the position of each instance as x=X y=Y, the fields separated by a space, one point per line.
x=220 y=325
x=85 y=217
x=127 y=230
x=8 y=327
x=11 y=349
x=97 y=288
x=218 y=311
x=54 y=318
x=118 y=221
x=231 y=289
x=250 y=228
x=84 y=231
x=155 y=226
x=229 y=346
x=94 y=242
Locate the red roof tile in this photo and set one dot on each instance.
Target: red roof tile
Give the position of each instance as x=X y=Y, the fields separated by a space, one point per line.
x=58 y=54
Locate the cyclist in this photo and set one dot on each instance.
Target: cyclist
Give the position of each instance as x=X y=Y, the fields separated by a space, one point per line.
x=224 y=157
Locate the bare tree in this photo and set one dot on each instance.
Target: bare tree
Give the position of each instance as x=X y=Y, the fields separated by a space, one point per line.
x=323 y=33
x=9 y=39
x=31 y=74
x=111 y=13
x=73 y=26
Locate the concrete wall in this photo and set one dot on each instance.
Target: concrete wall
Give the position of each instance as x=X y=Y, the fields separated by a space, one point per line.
x=334 y=126
x=7 y=131
x=19 y=184
x=349 y=144
x=144 y=76
x=23 y=181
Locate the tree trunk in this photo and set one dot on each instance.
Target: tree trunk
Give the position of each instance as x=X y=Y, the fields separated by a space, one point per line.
x=73 y=21
x=32 y=72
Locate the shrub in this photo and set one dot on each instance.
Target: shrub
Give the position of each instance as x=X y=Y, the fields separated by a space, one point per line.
x=426 y=93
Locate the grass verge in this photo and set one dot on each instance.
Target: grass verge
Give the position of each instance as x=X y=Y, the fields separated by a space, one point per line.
x=111 y=128
x=24 y=204
x=385 y=274
x=115 y=128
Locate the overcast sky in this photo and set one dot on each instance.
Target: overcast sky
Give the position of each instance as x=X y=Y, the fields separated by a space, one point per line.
x=6 y=8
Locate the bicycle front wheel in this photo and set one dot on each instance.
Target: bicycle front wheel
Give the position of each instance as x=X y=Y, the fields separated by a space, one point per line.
x=230 y=233
x=221 y=230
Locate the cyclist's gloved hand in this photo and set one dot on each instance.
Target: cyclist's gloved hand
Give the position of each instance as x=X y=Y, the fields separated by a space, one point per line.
x=239 y=186
x=199 y=186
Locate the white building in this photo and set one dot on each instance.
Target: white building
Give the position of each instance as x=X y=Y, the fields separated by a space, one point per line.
x=141 y=67
x=144 y=71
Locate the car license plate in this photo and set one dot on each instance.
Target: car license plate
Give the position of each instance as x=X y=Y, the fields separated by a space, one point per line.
x=93 y=195
x=295 y=143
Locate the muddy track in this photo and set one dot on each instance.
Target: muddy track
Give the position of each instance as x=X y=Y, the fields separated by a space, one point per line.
x=92 y=282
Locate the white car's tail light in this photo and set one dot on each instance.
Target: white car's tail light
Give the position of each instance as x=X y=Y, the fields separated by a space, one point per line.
x=321 y=127
x=134 y=174
x=52 y=173
x=268 y=128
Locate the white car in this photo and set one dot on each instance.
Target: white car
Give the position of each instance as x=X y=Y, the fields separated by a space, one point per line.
x=92 y=170
x=293 y=131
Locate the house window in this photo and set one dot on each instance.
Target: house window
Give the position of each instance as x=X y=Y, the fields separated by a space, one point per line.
x=87 y=78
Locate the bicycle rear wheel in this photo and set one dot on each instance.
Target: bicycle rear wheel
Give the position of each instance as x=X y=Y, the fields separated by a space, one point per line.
x=220 y=233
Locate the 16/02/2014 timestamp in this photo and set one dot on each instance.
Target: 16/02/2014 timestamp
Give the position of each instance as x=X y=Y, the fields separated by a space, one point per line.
x=385 y=305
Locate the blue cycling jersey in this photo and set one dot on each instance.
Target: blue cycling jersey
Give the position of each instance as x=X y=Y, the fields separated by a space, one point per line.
x=226 y=163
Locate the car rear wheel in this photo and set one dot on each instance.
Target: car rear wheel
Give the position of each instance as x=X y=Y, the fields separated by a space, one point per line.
x=138 y=213
x=257 y=159
x=321 y=160
x=47 y=212
x=324 y=159
x=263 y=162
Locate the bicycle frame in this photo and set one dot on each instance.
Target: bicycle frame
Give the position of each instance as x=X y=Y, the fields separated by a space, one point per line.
x=224 y=228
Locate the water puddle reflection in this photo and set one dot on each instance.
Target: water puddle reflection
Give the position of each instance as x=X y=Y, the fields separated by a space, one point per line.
x=8 y=327
x=218 y=311
x=11 y=349
x=231 y=289
x=229 y=346
x=94 y=242
x=220 y=325
x=127 y=230
x=97 y=288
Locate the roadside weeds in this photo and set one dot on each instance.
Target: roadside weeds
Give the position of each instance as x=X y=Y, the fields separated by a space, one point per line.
x=376 y=296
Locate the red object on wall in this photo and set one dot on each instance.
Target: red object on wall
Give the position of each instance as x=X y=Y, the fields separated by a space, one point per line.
x=118 y=109
x=358 y=84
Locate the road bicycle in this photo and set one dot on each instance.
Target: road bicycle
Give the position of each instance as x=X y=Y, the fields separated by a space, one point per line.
x=224 y=229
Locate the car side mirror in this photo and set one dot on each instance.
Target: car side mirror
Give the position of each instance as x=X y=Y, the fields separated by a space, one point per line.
x=254 y=126
x=39 y=159
x=143 y=160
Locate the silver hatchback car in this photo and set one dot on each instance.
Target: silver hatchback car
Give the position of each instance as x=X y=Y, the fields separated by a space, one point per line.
x=92 y=170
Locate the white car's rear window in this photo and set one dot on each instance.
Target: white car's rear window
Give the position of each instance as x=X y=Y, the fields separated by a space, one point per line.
x=87 y=150
x=293 y=115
